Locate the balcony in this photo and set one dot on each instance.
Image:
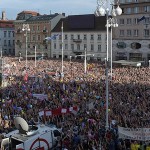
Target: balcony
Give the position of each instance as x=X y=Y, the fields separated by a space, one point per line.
x=77 y=40
x=78 y=52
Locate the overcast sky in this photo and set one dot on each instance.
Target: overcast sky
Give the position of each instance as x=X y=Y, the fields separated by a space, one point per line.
x=70 y=7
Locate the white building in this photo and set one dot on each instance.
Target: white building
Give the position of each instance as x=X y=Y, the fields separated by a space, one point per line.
x=80 y=32
x=7 y=39
x=131 y=40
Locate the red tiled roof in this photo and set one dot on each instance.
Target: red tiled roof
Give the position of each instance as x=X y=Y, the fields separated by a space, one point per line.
x=34 y=13
x=6 y=24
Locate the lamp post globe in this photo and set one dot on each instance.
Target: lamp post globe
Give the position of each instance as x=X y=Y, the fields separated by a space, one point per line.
x=118 y=11
x=101 y=11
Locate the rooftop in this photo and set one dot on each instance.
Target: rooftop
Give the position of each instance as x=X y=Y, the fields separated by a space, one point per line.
x=87 y=22
x=42 y=17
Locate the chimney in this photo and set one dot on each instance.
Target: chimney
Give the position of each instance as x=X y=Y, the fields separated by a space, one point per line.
x=63 y=14
x=3 y=15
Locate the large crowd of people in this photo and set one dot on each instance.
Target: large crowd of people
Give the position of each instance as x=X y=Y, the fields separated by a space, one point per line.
x=129 y=100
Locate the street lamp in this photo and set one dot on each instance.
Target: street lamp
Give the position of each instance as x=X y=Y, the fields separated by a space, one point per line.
x=85 y=59
x=103 y=9
x=112 y=23
x=26 y=29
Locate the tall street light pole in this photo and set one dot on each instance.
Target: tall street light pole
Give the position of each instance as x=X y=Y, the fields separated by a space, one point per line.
x=26 y=29
x=112 y=23
x=103 y=9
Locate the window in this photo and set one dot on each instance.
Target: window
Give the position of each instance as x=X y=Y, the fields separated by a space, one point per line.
x=99 y=48
x=72 y=46
x=135 y=20
x=99 y=37
x=146 y=32
x=54 y=45
x=72 y=37
x=121 y=32
x=60 y=46
x=129 y=1
x=9 y=33
x=39 y=46
x=13 y=42
x=38 y=37
x=121 y=21
x=66 y=46
x=92 y=37
x=13 y=34
x=78 y=46
x=85 y=37
x=78 y=36
x=59 y=37
x=129 y=21
x=136 y=9
x=38 y=28
x=33 y=28
x=147 y=20
x=33 y=38
x=5 y=33
x=146 y=8
x=45 y=46
x=128 y=32
x=122 y=1
x=5 y=43
x=135 y=32
x=85 y=46
x=128 y=10
x=66 y=37
x=92 y=47
x=28 y=45
x=9 y=42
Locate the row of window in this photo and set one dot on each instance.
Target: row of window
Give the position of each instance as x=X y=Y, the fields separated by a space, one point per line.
x=134 y=21
x=131 y=1
x=35 y=28
x=79 y=37
x=38 y=46
x=8 y=34
x=8 y=42
x=135 y=33
x=78 y=47
x=72 y=37
x=131 y=10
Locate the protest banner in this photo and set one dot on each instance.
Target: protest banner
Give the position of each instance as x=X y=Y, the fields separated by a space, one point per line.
x=140 y=134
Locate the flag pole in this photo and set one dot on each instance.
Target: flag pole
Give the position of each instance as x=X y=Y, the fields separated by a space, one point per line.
x=62 y=70
x=35 y=56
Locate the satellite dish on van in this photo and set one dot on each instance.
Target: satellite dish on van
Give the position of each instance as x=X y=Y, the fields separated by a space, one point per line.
x=21 y=125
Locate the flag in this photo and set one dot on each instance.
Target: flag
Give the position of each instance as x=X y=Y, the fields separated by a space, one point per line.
x=53 y=37
x=26 y=77
x=142 y=18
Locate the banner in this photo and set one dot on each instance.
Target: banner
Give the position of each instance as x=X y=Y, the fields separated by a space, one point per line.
x=141 y=134
x=58 y=111
x=41 y=96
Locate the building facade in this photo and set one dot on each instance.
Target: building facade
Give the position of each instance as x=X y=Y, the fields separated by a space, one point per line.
x=7 y=39
x=80 y=33
x=40 y=27
x=131 y=40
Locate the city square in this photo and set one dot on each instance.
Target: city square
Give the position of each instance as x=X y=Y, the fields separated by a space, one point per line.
x=76 y=82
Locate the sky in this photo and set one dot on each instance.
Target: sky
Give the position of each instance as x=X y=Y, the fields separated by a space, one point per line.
x=69 y=7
